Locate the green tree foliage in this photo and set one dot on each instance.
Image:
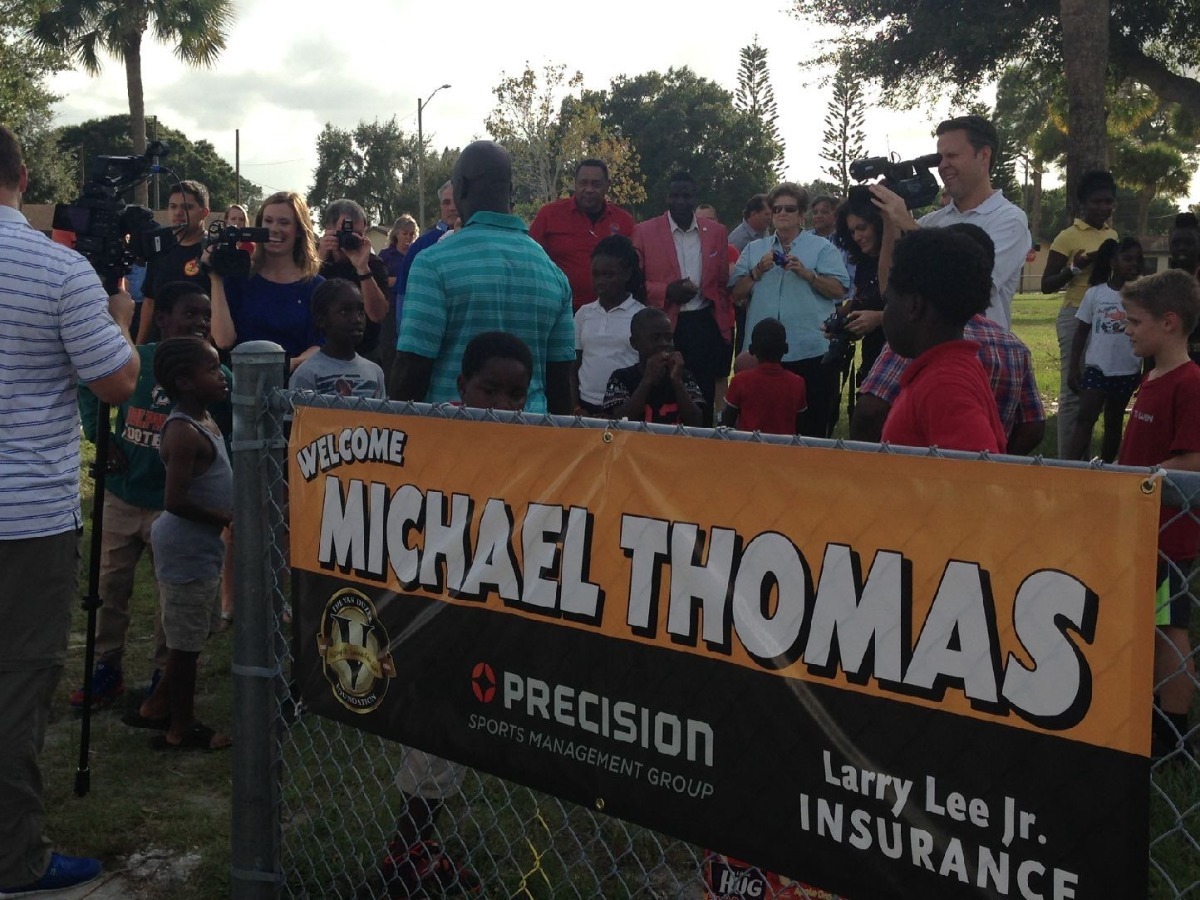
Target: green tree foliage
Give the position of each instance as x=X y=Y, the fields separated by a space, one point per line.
x=842 y=141
x=88 y=28
x=679 y=120
x=26 y=104
x=1159 y=218
x=371 y=164
x=1152 y=148
x=1151 y=144
x=754 y=94
x=527 y=123
x=547 y=127
x=24 y=68
x=917 y=48
x=197 y=160
x=1029 y=99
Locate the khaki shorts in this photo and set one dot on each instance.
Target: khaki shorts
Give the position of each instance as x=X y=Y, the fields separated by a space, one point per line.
x=190 y=612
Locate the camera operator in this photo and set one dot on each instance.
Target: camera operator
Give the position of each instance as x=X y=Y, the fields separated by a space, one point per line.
x=346 y=253
x=60 y=328
x=968 y=146
x=188 y=206
x=858 y=231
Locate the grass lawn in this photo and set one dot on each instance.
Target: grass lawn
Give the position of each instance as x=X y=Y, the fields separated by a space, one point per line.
x=166 y=817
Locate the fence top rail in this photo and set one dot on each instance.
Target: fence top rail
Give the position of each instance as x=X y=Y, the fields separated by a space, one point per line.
x=1180 y=487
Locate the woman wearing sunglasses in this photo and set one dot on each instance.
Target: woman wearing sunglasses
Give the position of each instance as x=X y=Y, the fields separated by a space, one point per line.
x=798 y=279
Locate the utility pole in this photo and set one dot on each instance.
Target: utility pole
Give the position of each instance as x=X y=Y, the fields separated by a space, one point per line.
x=154 y=122
x=421 y=155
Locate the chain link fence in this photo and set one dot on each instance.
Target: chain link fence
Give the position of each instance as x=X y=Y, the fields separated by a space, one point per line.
x=315 y=801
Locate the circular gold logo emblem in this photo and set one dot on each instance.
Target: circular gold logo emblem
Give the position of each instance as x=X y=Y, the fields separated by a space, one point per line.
x=354 y=651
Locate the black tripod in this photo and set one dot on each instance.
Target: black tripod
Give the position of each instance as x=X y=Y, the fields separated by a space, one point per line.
x=91 y=599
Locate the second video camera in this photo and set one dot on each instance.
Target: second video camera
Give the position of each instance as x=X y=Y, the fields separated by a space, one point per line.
x=910 y=178
x=227 y=258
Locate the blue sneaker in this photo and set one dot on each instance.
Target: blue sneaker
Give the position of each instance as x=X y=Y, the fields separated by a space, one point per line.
x=107 y=685
x=64 y=872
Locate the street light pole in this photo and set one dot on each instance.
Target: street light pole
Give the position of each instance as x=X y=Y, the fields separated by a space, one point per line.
x=421 y=104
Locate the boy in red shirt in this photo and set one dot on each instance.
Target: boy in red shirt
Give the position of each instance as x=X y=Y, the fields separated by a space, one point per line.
x=1164 y=430
x=940 y=278
x=767 y=397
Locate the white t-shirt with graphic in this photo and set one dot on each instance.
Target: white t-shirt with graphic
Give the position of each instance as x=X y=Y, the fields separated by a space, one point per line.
x=1108 y=347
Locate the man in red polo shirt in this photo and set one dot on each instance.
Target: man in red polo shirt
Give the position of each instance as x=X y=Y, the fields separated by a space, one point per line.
x=569 y=229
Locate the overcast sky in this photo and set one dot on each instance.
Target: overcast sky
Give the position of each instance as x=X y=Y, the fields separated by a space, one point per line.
x=290 y=67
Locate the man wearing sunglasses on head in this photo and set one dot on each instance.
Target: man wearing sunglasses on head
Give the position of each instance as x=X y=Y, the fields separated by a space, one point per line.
x=798 y=279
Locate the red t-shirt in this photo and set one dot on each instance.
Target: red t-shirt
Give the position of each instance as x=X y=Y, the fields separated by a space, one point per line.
x=946 y=401
x=568 y=235
x=1166 y=421
x=768 y=398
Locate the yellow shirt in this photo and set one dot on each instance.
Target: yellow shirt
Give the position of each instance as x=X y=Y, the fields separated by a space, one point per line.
x=1080 y=236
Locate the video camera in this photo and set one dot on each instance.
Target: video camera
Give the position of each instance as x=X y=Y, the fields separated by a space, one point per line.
x=227 y=258
x=910 y=178
x=109 y=232
x=841 y=338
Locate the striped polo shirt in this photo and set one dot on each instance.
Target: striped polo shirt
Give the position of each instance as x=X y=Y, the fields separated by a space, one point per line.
x=491 y=276
x=55 y=329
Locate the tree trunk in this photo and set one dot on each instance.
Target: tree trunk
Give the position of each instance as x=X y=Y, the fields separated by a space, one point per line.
x=1144 y=198
x=1085 y=54
x=132 y=52
x=1035 y=204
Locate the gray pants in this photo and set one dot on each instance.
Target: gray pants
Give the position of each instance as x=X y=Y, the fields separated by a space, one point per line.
x=39 y=585
x=1068 y=400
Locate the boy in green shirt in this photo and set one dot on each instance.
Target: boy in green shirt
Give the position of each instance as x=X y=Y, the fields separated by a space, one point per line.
x=133 y=493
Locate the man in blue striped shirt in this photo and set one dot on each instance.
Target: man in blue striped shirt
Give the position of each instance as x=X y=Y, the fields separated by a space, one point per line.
x=59 y=329
x=490 y=276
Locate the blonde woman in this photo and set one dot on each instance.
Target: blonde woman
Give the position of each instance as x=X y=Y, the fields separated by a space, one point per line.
x=237 y=217
x=273 y=302
x=403 y=233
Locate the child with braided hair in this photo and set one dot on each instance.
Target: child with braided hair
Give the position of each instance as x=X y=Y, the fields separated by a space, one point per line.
x=186 y=538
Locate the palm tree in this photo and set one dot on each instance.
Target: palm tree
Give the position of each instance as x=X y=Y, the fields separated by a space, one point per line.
x=85 y=28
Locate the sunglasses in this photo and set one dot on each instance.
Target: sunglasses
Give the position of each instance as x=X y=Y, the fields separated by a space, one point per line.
x=785 y=209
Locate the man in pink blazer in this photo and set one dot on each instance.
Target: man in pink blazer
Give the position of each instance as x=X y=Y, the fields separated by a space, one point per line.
x=687 y=270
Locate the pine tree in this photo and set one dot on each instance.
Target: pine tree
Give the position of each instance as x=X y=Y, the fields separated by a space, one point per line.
x=843 y=137
x=755 y=96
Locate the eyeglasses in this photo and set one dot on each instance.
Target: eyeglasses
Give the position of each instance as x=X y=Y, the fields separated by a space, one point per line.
x=785 y=209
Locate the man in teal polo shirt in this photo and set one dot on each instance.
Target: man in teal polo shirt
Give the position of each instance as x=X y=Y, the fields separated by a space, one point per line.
x=491 y=276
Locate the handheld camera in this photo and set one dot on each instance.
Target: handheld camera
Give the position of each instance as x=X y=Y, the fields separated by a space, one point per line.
x=910 y=178
x=228 y=259
x=347 y=237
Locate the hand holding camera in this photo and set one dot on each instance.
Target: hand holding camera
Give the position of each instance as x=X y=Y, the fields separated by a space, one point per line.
x=222 y=253
x=909 y=179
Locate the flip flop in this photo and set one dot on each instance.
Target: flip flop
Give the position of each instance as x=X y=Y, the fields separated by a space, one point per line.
x=197 y=738
x=134 y=719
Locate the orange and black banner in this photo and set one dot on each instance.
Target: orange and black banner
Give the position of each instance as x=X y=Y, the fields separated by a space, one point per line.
x=887 y=676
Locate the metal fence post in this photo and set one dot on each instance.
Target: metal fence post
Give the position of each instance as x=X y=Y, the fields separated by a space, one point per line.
x=259 y=368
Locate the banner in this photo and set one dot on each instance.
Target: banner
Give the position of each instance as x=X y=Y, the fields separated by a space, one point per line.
x=886 y=676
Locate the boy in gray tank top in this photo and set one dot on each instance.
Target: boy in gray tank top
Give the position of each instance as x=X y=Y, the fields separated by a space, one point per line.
x=186 y=538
